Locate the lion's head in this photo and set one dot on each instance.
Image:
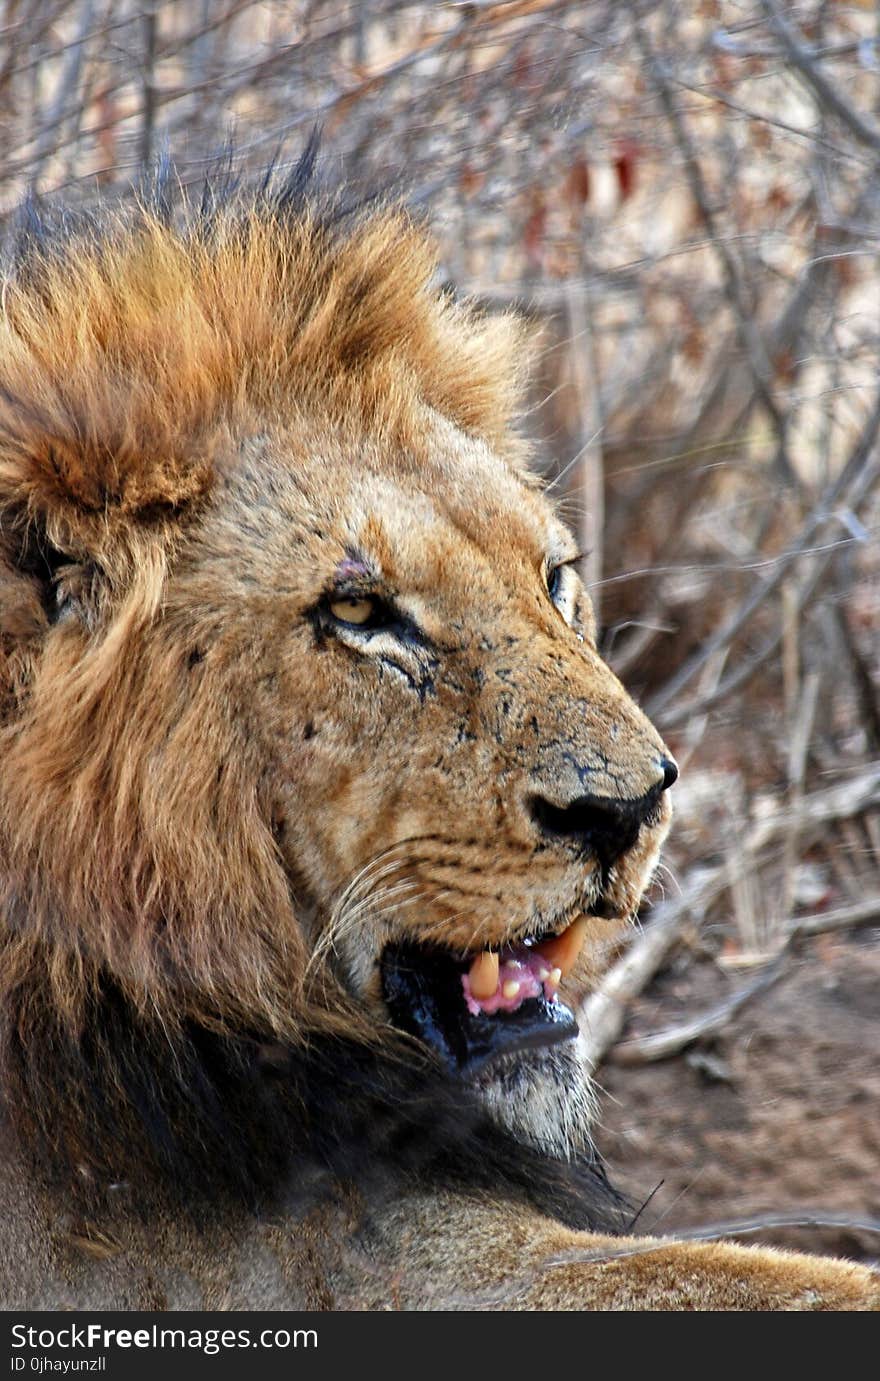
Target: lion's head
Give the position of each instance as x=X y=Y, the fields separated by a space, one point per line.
x=306 y=744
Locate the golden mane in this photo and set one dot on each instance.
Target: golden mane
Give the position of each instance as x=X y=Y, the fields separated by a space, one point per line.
x=158 y=1012
x=127 y=349
x=130 y=351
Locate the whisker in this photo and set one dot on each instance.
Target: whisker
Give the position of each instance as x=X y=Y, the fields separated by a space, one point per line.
x=342 y=921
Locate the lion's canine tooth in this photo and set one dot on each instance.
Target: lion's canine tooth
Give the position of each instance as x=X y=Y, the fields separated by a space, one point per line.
x=484 y=975
x=562 y=951
x=510 y=989
x=555 y=977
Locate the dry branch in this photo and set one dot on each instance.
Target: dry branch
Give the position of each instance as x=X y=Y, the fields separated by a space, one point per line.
x=840 y=918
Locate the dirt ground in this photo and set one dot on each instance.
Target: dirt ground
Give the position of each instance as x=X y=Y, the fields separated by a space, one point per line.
x=779 y=1115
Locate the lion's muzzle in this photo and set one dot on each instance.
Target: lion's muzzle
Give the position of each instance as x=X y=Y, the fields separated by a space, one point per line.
x=603 y=826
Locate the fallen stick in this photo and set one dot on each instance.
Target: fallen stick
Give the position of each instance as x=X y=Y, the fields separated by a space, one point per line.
x=859 y=913
x=659 y=1045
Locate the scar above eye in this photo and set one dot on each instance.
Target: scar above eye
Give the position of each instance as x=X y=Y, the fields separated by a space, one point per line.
x=352 y=568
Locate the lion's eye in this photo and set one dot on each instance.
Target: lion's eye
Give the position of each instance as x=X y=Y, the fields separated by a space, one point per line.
x=562 y=587
x=359 y=613
x=560 y=584
x=554 y=581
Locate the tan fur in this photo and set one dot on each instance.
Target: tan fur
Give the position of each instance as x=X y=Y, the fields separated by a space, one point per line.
x=230 y=808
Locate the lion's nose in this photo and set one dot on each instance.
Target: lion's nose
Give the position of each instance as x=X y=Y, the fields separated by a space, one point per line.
x=603 y=825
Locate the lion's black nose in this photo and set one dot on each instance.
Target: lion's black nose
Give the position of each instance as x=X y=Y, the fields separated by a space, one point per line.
x=603 y=825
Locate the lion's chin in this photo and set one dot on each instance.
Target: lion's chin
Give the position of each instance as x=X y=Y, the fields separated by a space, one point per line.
x=429 y=995
x=543 y=1097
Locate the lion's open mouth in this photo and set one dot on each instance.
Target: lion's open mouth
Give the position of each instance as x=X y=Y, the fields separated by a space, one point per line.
x=497 y=1002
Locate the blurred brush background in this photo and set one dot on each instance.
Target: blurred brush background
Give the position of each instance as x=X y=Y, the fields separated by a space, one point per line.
x=685 y=200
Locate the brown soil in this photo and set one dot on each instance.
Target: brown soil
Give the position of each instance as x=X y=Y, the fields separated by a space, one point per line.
x=779 y=1115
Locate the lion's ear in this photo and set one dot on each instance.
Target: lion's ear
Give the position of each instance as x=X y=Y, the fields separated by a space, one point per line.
x=22 y=613
x=59 y=573
x=86 y=504
x=108 y=387
x=40 y=584
x=93 y=477
x=23 y=621
x=73 y=455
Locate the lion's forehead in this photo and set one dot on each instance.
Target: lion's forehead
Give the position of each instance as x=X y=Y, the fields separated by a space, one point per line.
x=443 y=515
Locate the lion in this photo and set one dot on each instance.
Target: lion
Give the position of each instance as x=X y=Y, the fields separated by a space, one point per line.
x=317 y=801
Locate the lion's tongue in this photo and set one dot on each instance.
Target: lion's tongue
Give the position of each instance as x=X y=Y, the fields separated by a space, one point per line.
x=501 y=982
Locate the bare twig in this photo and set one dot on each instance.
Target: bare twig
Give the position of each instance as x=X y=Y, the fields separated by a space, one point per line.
x=805 y=60
x=848 y=490
x=603 y=1014
x=148 y=80
x=747 y=331
x=590 y=468
x=770 y=1222
x=866 y=692
x=765 y=118
x=67 y=84
x=659 y=1045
